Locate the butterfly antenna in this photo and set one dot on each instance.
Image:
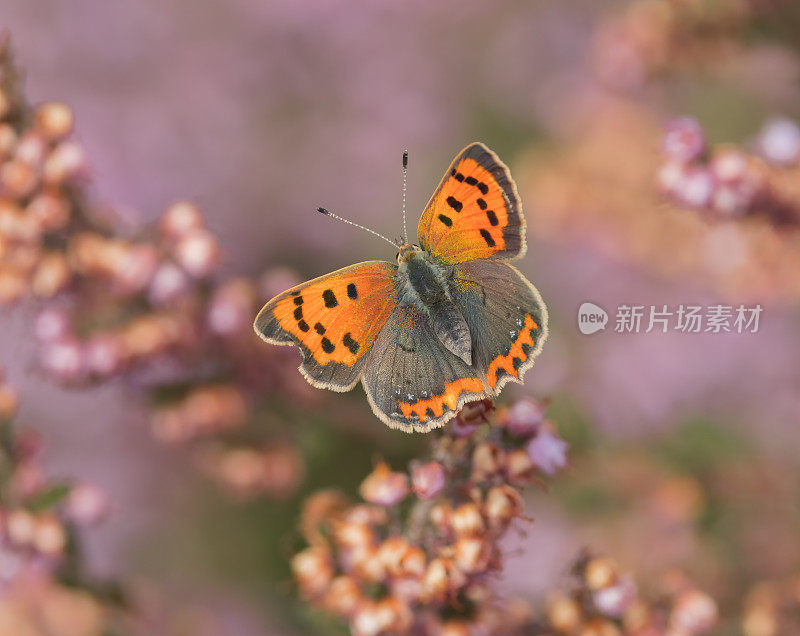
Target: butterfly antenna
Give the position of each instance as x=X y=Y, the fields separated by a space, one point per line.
x=339 y=218
x=405 y=182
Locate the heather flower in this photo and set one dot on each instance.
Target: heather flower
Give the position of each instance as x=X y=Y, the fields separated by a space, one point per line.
x=428 y=480
x=384 y=487
x=779 y=142
x=684 y=140
x=524 y=418
x=548 y=451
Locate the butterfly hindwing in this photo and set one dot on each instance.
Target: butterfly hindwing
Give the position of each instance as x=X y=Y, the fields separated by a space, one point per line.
x=334 y=319
x=506 y=317
x=412 y=382
x=475 y=212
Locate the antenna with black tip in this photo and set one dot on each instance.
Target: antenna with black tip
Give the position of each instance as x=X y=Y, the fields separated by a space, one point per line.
x=405 y=182
x=339 y=218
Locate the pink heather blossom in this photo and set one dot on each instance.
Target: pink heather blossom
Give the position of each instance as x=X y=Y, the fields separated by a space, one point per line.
x=51 y=324
x=103 y=354
x=685 y=140
x=524 y=418
x=64 y=359
x=615 y=599
x=384 y=487
x=87 y=504
x=696 y=188
x=779 y=142
x=168 y=283
x=428 y=480
x=548 y=452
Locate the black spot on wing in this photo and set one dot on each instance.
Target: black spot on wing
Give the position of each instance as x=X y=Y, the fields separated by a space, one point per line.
x=446 y=220
x=487 y=237
x=303 y=325
x=481 y=203
x=330 y=298
x=327 y=345
x=319 y=329
x=483 y=188
x=351 y=344
x=298 y=300
x=471 y=181
x=454 y=203
x=492 y=217
x=298 y=313
x=352 y=292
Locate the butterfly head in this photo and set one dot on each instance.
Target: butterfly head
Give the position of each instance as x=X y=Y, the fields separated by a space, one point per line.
x=407 y=252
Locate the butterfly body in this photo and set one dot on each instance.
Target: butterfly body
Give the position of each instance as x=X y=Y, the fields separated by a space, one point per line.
x=450 y=322
x=425 y=283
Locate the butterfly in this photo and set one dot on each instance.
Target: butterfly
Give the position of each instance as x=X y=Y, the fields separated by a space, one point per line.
x=449 y=323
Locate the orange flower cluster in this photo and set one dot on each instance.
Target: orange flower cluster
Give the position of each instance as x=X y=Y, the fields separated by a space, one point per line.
x=602 y=190
x=44 y=587
x=151 y=308
x=419 y=553
x=604 y=602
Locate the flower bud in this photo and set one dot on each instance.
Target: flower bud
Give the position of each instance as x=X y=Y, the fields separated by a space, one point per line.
x=343 y=596
x=487 y=460
x=519 y=467
x=168 y=283
x=779 y=142
x=524 y=418
x=31 y=149
x=18 y=179
x=548 y=451
x=54 y=120
x=65 y=162
x=442 y=579
x=51 y=324
x=384 y=487
x=684 y=140
x=472 y=554
x=230 y=308
x=180 y=219
x=313 y=570
x=428 y=480
x=64 y=359
x=503 y=503
x=87 y=504
x=49 y=535
x=52 y=275
x=615 y=600
x=564 y=614
x=467 y=520
x=21 y=527
x=600 y=572
x=693 y=612
x=198 y=253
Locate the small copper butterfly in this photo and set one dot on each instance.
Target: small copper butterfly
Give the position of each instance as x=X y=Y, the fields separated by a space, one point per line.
x=451 y=322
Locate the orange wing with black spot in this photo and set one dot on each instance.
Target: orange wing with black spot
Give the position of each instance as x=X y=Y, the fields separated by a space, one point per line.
x=412 y=382
x=334 y=320
x=475 y=212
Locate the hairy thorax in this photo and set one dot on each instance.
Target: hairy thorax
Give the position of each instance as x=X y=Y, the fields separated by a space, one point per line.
x=425 y=284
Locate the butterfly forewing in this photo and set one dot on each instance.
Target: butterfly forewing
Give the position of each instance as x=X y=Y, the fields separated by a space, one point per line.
x=475 y=212
x=334 y=320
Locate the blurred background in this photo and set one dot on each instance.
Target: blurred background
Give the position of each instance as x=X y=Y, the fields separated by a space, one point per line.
x=656 y=152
